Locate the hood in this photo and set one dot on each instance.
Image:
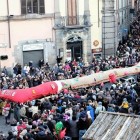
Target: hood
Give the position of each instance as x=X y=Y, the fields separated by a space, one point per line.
x=89 y=108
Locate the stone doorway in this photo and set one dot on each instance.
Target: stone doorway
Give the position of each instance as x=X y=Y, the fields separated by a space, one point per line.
x=74 y=48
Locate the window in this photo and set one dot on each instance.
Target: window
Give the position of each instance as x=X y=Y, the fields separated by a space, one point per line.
x=32 y=6
x=72 y=12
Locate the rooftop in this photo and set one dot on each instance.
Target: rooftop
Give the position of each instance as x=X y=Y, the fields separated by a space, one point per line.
x=114 y=126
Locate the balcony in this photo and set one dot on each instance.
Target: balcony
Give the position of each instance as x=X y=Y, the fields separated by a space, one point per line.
x=73 y=22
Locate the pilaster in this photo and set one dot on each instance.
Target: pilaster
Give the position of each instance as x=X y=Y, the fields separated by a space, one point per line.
x=86 y=7
x=56 y=6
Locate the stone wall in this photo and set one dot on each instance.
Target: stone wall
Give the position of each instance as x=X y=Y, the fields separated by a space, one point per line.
x=108 y=28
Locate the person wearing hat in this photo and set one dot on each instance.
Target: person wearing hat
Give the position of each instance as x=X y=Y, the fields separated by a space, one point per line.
x=82 y=124
x=99 y=108
x=58 y=128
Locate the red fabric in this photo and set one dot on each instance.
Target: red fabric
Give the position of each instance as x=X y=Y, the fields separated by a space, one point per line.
x=112 y=78
x=66 y=91
x=74 y=63
x=62 y=134
x=21 y=127
x=67 y=67
x=7 y=105
x=24 y=95
x=52 y=111
x=77 y=96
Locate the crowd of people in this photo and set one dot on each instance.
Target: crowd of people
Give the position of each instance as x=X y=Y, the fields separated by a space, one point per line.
x=67 y=115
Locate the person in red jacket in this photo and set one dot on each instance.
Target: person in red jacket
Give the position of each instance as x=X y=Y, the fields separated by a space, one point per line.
x=21 y=126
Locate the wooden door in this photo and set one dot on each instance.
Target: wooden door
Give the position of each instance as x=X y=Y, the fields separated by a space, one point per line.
x=72 y=12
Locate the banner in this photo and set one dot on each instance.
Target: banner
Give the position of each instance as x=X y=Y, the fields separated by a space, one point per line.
x=54 y=87
x=28 y=94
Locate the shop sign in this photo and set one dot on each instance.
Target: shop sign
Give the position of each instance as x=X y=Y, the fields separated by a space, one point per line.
x=97 y=50
x=96 y=43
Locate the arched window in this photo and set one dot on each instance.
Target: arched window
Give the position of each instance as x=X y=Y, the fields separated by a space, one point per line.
x=72 y=12
x=32 y=6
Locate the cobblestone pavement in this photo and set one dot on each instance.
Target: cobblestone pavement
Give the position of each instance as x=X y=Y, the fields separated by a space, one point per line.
x=4 y=128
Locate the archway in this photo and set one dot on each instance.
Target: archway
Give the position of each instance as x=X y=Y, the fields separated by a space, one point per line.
x=74 y=48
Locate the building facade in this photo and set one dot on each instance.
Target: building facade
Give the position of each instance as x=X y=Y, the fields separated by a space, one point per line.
x=78 y=29
x=26 y=32
x=116 y=19
x=73 y=29
x=31 y=30
x=39 y=29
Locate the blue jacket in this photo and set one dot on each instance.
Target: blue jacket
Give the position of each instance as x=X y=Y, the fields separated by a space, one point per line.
x=92 y=112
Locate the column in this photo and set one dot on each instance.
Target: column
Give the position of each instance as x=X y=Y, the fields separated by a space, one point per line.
x=56 y=6
x=87 y=19
x=86 y=7
x=109 y=29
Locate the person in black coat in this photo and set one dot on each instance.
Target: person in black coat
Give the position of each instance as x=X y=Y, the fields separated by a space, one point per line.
x=10 y=135
x=46 y=105
x=82 y=124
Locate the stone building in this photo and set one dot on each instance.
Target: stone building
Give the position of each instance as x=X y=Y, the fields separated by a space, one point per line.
x=84 y=28
x=116 y=19
x=39 y=29
x=31 y=30
x=73 y=29
x=26 y=32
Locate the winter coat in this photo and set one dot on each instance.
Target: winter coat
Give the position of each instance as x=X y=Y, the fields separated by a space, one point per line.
x=73 y=129
x=99 y=108
x=82 y=124
x=92 y=112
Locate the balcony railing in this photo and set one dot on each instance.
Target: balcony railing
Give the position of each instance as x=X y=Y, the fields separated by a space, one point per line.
x=74 y=21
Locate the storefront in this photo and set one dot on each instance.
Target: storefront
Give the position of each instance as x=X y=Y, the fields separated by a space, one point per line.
x=97 y=53
x=34 y=53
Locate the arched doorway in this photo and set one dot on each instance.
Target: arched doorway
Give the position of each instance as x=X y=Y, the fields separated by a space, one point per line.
x=74 y=48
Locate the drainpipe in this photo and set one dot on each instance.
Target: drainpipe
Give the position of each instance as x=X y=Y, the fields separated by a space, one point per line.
x=8 y=20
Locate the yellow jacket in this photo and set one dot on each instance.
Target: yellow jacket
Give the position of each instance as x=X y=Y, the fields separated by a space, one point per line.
x=125 y=105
